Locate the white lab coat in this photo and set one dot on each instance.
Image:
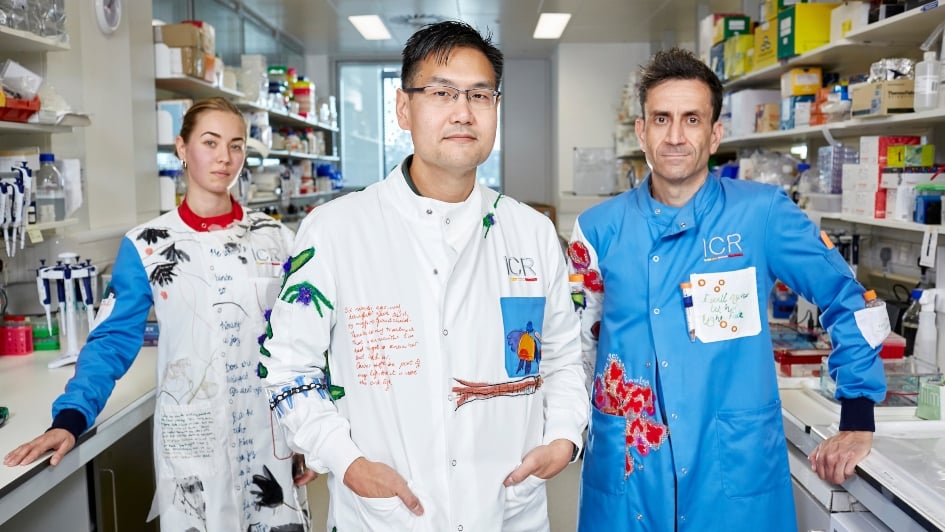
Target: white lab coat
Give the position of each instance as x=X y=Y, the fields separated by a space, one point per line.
x=416 y=305
x=213 y=433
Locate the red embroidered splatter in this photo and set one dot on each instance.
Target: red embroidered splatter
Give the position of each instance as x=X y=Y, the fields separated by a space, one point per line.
x=579 y=255
x=580 y=258
x=593 y=281
x=595 y=330
x=615 y=395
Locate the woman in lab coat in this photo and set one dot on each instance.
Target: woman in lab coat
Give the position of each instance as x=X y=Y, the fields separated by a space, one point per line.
x=211 y=271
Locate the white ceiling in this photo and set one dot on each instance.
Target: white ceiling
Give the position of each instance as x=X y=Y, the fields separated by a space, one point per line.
x=323 y=28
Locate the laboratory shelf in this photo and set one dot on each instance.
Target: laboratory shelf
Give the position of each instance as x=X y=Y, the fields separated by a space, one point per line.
x=898 y=36
x=195 y=88
x=875 y=222
x=13 y=40
x=288 y=154
x=279 y=117
x=52 y=225
x=25 y=127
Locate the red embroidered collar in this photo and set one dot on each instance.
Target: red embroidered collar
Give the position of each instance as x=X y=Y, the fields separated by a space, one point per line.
x=198 y=223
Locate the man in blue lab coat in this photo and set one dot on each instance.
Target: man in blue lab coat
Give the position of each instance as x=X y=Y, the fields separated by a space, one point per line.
x=686 y=429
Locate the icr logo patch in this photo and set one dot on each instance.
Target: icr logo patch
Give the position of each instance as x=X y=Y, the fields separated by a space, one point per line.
x=521 y=269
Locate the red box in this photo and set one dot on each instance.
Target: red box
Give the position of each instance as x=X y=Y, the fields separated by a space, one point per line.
x=894 y=346
x=17 y=110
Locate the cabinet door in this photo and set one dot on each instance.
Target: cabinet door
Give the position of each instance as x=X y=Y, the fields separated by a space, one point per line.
x=123 y=480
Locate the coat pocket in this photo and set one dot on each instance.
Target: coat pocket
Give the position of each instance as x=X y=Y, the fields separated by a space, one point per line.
x=525 y=494
x=753 y=451
x=389 y=513
x=605 y=458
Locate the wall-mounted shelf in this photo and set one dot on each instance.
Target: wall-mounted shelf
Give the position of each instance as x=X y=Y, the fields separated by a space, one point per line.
x=278 y=117
x=300 y=200
x=286 y=154
x=25 y=127
x=896 y=36
x=195 y=88
x=12 y=40
x=875 y=222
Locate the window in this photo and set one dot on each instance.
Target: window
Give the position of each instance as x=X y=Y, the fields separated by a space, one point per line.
x=372 y=143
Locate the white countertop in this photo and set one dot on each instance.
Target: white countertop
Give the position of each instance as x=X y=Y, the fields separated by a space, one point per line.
x=28 y=388
x=908 y=456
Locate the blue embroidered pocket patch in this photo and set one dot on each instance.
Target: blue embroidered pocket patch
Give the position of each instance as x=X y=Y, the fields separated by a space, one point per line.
x=522 y=319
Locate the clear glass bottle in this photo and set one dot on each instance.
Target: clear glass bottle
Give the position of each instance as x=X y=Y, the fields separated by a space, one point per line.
x=910 y=321
x=50 y=191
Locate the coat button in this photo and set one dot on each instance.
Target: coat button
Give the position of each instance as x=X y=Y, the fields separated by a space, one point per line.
x=453 y=463
x=656 y=311
x=657 y=211
x=445 y=332
x=656 y=258
x=429 y=211
x=665 y=364
x=447 y=221
x=639 y=517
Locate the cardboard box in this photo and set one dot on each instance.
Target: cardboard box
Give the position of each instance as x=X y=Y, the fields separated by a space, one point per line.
x=882 y=97
x=729 y=26
x=742 y=105
x=795 y=111
x=717 y=60
x=707 y=33
x=179 y=35
x=803 y=27
x=738 y=52
x=847 y=17
x=910 y=156
x=767 y=117
x=801 y=81
x=873 y=148
x=766 y=44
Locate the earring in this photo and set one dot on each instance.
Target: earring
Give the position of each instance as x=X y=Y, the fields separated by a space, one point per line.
x=183 y=164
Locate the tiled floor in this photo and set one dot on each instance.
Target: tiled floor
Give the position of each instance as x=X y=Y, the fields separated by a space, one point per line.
x=562 y=500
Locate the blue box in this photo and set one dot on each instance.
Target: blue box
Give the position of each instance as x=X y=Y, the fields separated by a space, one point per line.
x=795 y=111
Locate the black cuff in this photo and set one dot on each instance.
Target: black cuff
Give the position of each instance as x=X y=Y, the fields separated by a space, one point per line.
x=71 y=420
x=857 y=414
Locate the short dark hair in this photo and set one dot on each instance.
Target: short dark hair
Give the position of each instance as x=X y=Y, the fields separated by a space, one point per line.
x=439 y=39
x=677 y=63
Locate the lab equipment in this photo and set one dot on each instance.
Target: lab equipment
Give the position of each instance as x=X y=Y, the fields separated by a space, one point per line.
x=910 y=321
x=50 y=191
x=15 y=189
x=687 y=304
x=72 y=279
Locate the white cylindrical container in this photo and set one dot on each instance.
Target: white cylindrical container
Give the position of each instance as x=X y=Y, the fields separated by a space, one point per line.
x=168 y=187
x=927 y=77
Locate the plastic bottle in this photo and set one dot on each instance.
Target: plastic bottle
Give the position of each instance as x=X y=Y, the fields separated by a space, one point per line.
x=871 y=300
x=50 y=191
x=910 y=321
x=927 y=74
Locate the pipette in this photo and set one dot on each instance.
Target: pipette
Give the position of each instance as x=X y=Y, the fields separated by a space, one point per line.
x=26 y=178
x=4 y=214
x=16 y=212
x=42 y=286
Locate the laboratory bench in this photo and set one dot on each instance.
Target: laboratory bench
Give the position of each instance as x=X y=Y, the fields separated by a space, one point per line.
x=901 y=483
x=41 y=497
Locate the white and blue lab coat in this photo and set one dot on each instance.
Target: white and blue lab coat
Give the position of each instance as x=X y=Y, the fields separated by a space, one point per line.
x=219 y=463
x=707 y=452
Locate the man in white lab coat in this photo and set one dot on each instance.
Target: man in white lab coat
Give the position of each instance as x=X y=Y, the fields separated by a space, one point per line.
x=424 y=350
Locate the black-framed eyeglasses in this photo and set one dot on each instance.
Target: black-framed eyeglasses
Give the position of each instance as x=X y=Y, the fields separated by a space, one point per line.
x=444 y=95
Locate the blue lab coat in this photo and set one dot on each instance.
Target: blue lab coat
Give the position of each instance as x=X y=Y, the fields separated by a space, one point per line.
x=711 y=454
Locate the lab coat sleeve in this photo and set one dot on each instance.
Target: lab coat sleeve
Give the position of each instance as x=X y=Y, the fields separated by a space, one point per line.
x=566 y=400
x=114 y=343
x=293 y=362
x=798 y=256
x=593 y=300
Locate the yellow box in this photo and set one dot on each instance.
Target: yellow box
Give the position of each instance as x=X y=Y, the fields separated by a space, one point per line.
x=729 y=26
x=882 y=97
x=803 y=27
x=800 y=81
x=905 y=156
x=766 y=44
x=738 y=52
